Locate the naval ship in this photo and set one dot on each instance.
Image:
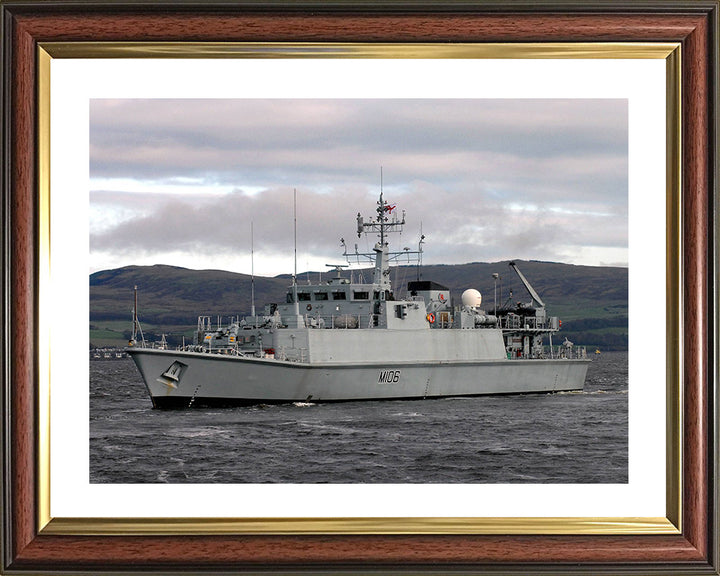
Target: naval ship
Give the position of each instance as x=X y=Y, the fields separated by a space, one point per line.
x=347 y=340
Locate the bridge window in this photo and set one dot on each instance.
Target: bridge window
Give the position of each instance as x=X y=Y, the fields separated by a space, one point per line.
x=361 y=295
x=321 y=296
x=303 y=296
x=338 y=296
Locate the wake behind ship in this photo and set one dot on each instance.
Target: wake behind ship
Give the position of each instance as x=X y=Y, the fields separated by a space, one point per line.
x=342 y=340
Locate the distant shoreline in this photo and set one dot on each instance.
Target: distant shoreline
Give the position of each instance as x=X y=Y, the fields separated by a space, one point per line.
x=592 y=301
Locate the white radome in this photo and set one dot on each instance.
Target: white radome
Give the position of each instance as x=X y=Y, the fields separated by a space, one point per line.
x=471 y=298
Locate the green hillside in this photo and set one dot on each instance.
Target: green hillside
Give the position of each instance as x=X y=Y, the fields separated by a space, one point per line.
x=591 y=301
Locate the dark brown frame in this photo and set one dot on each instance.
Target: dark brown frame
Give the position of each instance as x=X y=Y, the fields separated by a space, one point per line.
x=694 y=24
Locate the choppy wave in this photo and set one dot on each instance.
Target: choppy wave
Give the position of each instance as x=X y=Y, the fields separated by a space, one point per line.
x=575 y=437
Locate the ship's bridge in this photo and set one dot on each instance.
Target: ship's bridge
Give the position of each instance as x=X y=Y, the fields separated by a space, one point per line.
x=338 y=300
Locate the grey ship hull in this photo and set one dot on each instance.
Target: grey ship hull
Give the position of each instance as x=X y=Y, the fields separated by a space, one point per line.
x=203 y=379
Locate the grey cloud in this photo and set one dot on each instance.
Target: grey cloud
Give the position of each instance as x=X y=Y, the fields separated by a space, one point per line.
x=458 y=229
x=139 y=138
x=488 y=179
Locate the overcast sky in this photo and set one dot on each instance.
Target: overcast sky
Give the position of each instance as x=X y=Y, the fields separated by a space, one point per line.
x=180 y=181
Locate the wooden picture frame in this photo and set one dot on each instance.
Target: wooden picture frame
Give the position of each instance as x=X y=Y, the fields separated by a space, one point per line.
x=30 y=546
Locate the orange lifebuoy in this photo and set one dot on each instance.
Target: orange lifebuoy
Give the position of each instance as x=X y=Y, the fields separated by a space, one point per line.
x=431 y=317
x=308 y=307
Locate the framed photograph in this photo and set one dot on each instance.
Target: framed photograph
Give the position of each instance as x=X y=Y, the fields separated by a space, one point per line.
x=77 y=76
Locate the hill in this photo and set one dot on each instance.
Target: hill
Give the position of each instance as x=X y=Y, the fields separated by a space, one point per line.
x=591 y=301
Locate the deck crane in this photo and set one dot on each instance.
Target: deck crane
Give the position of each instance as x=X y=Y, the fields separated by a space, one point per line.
x=530 y=289
x=526 y=337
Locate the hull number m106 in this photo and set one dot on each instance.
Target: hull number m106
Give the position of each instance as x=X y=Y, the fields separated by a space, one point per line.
x=389 y=376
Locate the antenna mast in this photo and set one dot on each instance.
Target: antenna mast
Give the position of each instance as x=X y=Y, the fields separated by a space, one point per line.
x=420 y=251
x=383 y=223
x=252 y=270
x=295 y=296
x=381 y=212
x=135 y=322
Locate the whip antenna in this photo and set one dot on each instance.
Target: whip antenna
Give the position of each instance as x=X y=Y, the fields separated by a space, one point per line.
x=252 y=270
x=295 y=295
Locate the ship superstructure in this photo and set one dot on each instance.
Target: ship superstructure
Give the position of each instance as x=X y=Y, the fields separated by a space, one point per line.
x=343 y=339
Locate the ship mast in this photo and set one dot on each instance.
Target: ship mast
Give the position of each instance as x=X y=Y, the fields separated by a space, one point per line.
x=135 y=322
x=295 y=296
x=295 y=321
x=381 y=212
x=252 y=270
x=382 y=269
x=386 y=222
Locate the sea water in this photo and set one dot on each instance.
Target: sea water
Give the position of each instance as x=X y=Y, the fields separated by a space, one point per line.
x=573 y=437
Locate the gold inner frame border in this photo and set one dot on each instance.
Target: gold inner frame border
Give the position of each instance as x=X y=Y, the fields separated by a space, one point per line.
x=671 y=524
